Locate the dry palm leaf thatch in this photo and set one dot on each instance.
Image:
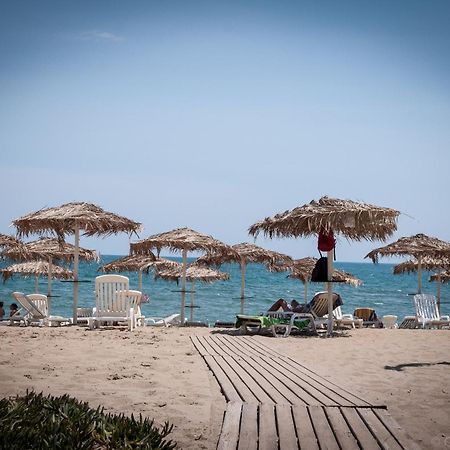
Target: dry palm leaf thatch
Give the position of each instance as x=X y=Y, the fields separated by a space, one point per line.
x=131 y=263
x=248 y=253
x=45 y=248
x=36 y=268
x=135 y=263
x=302 y=270
x=193 y=273
x=353 y=220
x=7 y=241
x=427 y=263
x=65 y=219
x=443 y=277
x=418 y=246
x=179 y=239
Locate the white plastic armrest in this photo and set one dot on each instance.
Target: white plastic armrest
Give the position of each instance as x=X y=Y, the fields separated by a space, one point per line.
x=445 y=318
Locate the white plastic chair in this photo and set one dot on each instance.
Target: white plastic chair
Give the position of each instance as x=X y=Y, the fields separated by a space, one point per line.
x=36 y=307
x=427 y=313
x=341 y=319
x=109 y=307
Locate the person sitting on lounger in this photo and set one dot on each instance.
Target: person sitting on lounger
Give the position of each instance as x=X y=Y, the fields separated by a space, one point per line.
x=294 y=306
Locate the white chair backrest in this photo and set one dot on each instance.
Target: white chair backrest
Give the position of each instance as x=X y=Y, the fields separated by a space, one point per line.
x=426 y=306
x=32 y=310
x=40 y=301
x=337 y=313
x=127 y=299
x=106 y=287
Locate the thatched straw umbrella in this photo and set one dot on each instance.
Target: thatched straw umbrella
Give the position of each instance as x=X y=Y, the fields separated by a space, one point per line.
x=426 y=263
x=137 y=263
x=419 y=246
x=194 y=273
x=243 y=254
x=37 y=268
x=302 y=270
x=183 y=239
x=69 y=219
x=50 y=249
x=443 y=277
x=353 y=220
x=7 y=241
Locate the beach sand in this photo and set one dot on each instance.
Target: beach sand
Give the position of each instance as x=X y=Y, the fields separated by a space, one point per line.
x=158 y=372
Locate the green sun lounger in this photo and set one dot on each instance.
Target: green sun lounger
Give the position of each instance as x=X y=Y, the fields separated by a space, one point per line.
x=281 y=324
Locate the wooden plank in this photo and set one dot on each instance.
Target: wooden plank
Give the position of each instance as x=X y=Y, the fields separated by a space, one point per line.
x=209 y=345
x=248 y=437
x=304 y=391
x=286 y=428
x=401 y=436
x=258 y=394
x=199 y=346
x=340 y=429
x=305 y=431
x=381 y=433
x=225 y=384
x=268 y=439
x=359 y=429
x=296 y=389
x=239 y=385
x=299 y=368
x=229 y=435
x=262 y=379
x=322 y=428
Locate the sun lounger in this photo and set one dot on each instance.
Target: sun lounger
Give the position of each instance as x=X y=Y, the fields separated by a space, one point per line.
x=279 y=323
x=173 y=319
x=368 y=315
x=341 y=319
x=35 y=311
x=427 y=313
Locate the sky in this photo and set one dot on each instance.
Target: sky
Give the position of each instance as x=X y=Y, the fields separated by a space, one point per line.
x=214 y=115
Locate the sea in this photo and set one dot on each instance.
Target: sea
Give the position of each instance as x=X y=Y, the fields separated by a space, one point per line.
x=220 y=301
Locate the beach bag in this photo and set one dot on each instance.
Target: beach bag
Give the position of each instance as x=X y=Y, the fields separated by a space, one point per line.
x=320 y=271
x=326 y=241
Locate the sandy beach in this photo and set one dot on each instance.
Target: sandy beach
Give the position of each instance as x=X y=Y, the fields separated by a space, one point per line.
x=157 y=372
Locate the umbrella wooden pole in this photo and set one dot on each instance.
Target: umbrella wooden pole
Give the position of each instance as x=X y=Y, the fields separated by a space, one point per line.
x=49 y=284
x=330 y=292
x=140 y=280
x=76 y=257
x=242 y=284
x=306 y=292
x=36 y=284
x=192 y=301
x=419 y=274
x=49 y=287
x=183 y=286
x=438 y=293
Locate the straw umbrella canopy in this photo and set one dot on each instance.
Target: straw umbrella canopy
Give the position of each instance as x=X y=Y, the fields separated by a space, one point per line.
x=427 y=263
x=69 y=219
x=443 y=277
x=352 y=220
x=243 y=254
x=194 y=273
x=49 y=249
x=419 y=246
x=137 y=263
x=36 y=269
x=184 y=239
x=7 y=241
x=302 y=270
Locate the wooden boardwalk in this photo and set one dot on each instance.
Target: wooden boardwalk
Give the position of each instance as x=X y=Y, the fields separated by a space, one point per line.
x=274 y=402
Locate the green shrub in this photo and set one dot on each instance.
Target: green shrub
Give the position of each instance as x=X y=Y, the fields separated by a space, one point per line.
x=34 y=421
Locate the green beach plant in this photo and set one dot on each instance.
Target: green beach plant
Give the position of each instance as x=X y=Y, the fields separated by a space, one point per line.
x=35 y=421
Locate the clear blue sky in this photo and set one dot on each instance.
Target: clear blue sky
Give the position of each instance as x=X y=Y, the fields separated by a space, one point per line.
x=213 y=115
